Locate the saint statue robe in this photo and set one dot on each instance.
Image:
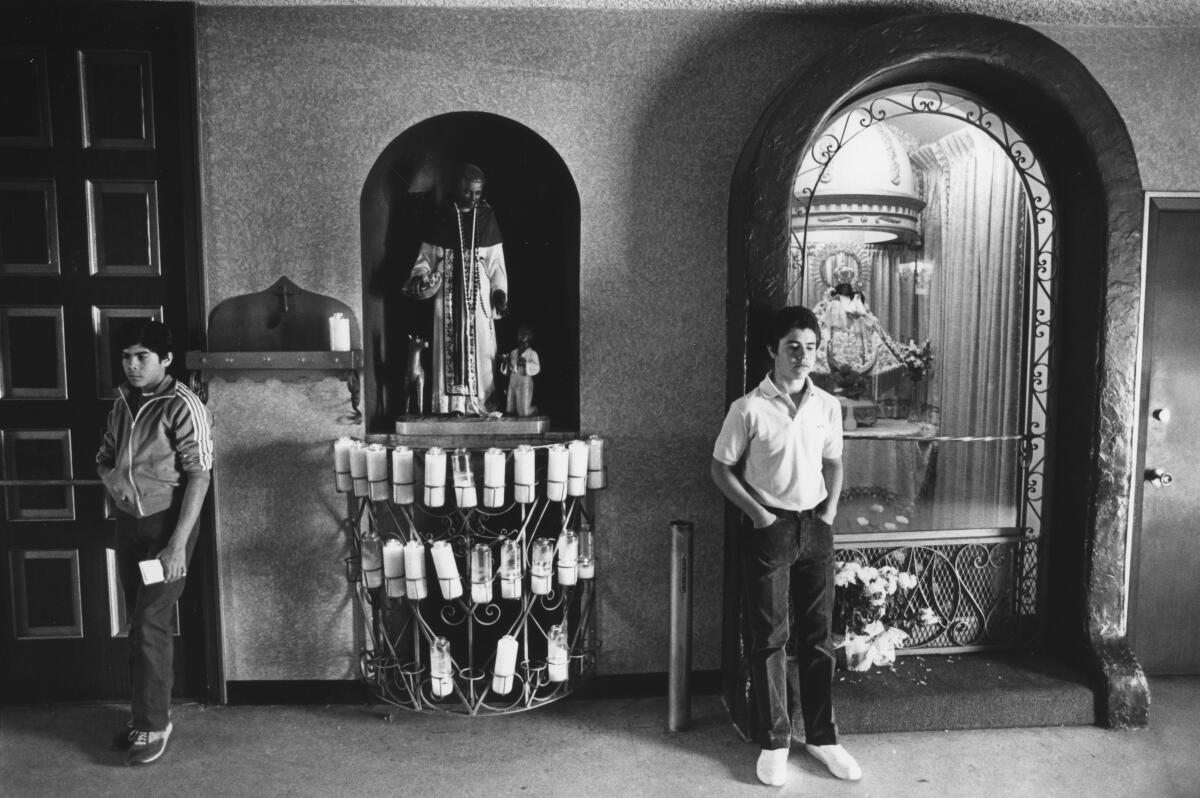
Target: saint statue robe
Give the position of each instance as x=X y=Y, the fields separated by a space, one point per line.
x=466 y=249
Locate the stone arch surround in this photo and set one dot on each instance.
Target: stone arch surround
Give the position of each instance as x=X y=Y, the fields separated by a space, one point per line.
x=1083 y=144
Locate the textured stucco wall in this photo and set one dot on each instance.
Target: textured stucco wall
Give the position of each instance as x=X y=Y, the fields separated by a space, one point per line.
x=649 y=110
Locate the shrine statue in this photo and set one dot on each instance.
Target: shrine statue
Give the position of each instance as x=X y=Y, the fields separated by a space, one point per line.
x=521 y=365
x=461 y=267
x=855 y=343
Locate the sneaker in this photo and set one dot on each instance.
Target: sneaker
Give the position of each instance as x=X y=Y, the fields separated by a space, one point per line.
x=148 y=746
x=838 y=760
x=772 y=766
x=124 y=738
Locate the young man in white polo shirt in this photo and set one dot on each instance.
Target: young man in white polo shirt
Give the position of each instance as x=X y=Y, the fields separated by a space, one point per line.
x=786 y=437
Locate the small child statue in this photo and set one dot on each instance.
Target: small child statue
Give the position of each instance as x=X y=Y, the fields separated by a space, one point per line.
x=521 y=366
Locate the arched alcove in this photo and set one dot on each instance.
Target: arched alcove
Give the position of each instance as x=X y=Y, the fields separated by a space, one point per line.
x=537 y=206
x=1091 y=170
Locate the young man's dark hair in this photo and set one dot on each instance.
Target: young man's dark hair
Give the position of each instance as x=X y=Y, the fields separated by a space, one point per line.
x=154 y=335
x=791 y=318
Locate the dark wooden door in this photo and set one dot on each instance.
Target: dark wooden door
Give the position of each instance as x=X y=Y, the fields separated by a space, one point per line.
x=97 y=231
x=1163 y=631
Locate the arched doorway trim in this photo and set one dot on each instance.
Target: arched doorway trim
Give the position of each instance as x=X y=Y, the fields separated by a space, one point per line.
x=1090 y=166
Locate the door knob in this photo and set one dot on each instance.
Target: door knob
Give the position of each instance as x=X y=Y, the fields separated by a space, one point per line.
x=1158 y=477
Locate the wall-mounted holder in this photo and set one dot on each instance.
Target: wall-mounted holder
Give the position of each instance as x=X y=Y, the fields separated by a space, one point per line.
x=283 y=332
x=282 y=366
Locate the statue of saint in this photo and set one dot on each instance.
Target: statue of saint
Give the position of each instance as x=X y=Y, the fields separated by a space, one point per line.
x=461 y=267
x=521 y=366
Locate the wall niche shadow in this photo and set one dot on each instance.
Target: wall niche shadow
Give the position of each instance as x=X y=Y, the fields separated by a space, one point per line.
x=537 y=206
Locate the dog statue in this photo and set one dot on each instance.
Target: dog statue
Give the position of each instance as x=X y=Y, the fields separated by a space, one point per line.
x=414 y=376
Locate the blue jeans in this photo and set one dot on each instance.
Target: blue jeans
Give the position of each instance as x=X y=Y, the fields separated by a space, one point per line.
x=791 y=562
x=149 y=608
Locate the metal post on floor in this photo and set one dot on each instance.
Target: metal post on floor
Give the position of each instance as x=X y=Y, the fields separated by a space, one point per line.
x=679 y=679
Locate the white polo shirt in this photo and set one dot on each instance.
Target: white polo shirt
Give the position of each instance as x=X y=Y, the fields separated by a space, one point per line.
x=782 y=444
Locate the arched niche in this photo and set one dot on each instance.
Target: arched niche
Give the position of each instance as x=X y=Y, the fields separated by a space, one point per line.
x=1091 y=169
x=537 y=206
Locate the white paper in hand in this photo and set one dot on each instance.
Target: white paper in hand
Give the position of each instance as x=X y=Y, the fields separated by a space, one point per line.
x=152 y=571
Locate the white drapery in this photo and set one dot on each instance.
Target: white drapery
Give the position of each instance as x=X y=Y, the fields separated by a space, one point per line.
x=976 y=241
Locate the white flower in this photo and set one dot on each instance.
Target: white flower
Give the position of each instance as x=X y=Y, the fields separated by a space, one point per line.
x=845 y=574
x=907 y=580
x=873 y=628
x=929 y=617
x=867 y=574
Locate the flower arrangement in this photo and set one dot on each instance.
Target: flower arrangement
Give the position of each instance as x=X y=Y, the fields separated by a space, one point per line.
x=917 y=359
x=871 y=607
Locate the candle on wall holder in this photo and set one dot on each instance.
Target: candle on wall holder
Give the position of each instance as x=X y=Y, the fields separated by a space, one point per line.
x=339 y=333
x=510 y=569
x=556 y=473
x=524 y=476
x=414 y=569
x=341 y=464
x=568 y=557
x=577 y=468
x=481 y=573
x=464 y=480
x=435 y=476
x=506 y=665
x=377 y=475
x=541 y=566
x=402 y=475
x=556 y=653
x=393 y=567
x=441 y=667
x=597 y=471
x=372 y=559
x=587 y=550
x=358 y=468
x=447 y=569
x=493 y=478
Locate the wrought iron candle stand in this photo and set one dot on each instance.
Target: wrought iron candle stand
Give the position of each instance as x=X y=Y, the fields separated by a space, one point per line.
x=513 y=639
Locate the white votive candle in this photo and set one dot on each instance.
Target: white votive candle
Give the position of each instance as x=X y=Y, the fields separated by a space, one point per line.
x=481 y=573
x=524 y=477
x=464 y=480
x=577 y=468
x=339 y=333
x=393 y=567
x=414 y=569
x=506 y=665
x=493 y=478
x=341 y=464
x=435 y=476
x=441 y=667
x=568 y=557
x=402 y=475
x=556 y=653
x=597 y=475
x=510 y=569
x=358 y=468
x=447 y=569
x=556 y=473
x=541 y=566
x=377 y=476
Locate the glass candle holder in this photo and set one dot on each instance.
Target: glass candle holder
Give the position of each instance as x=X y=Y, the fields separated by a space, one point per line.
x=506 y=665
x=464 y=480
x=441 y=667
x=510 y=569
x=597 y=472
x=372 y=559
x=493 y=478
x=435 y=476
x=556 y=472
x=587 y=551
x=377 y=472
x=481 y=573
x=358 y=468
x=556 y=653
x=541 y=565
